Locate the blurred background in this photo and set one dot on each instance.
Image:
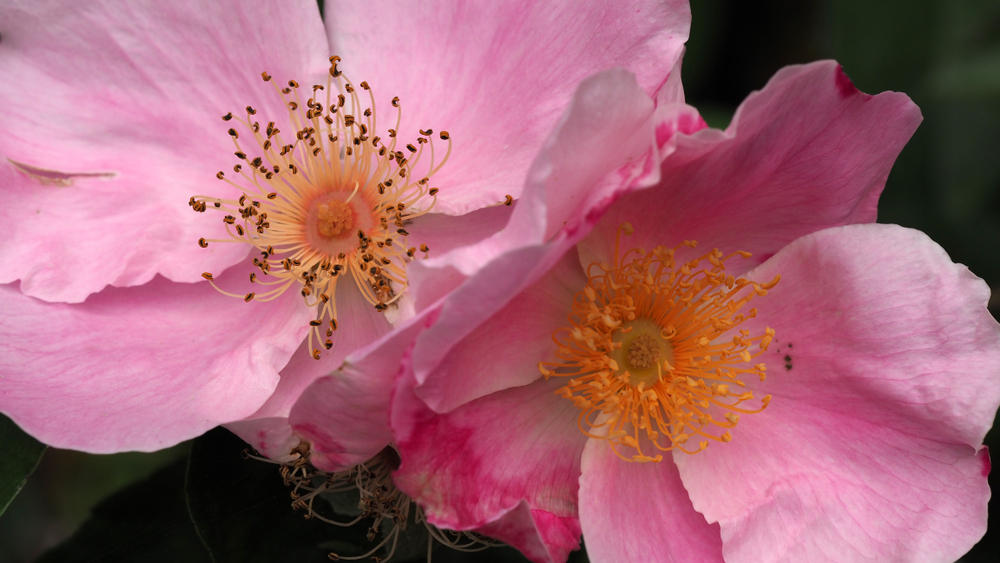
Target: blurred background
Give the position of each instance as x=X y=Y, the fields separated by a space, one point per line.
x=945 y=55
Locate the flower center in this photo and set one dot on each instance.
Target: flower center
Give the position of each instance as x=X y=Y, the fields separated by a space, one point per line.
x=333 y=219
x=653 y=355
x=329 y=200
x=640 y=349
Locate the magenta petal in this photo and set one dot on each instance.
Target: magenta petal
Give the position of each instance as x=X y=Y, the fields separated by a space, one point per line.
x=800 y=155
x=541 y=536
x=494 y=330
x=884 y=380
x=116 y=107
x=472 y=465
x=141 y=368
x=497 y=75
x=640 y=511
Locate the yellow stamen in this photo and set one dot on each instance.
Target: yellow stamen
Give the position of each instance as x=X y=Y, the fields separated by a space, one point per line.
x=653 y=353
x=327 y=200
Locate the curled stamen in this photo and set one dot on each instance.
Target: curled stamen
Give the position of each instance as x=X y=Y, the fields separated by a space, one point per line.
x=385 y=508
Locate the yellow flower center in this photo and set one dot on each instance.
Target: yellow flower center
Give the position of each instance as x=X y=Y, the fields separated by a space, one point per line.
x=329 y=200
x=653 y=354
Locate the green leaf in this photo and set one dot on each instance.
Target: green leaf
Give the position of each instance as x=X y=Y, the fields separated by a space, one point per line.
x=21 y=455
x=146 y=521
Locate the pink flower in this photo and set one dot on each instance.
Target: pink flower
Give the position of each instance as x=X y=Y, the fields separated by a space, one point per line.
x=864 y=439
x=112 y=339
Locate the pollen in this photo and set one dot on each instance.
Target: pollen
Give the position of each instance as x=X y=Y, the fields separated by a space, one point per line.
x=653 y=353
x=329 y=198
x=334 y=219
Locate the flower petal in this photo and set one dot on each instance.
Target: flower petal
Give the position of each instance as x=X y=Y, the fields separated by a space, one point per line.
x=640 y=511
x=345 y=416
x=603 y=144
x=471 y=466
x=803 y=154
x=541 y=536
x=497 y=75
x=493 y=331
x=884 y=380
x=268 y=429
x=111 y=112
x=141 y=368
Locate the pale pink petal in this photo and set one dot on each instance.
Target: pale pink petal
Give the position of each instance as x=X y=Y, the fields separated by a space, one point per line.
x=884 y=380
x=472 y=465
x=442 y=233
x=458 y=246
x=497 y=75
x=541 y=536
x=345 y=416
x=142 y=368
x=493 y=331
x=805 y=153
x=601 y=145
x=268 y=429
x=640 y=511
x=112 y=112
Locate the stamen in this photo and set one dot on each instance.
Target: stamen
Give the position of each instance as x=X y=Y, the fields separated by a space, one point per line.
x=326 y=200
x=387 y=510
x=653 y=354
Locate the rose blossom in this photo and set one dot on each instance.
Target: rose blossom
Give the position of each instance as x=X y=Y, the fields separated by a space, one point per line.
x=822 y=396
x=113 y=338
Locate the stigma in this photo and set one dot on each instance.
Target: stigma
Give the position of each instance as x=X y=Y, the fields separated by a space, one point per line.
x=329 y=199
x=653 y=354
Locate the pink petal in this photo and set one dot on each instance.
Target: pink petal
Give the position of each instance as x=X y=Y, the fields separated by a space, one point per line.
x=113 y=110
x=493 y=331
x=513 y=65
x=442 y=233
x=268 y=429
x=640 y=511
x=539 y=535
x=884 y=381
x=801 y=155
x=345 y=416
x=142 y=368
x=602 y=143
x=471 y=466
x=458 y=246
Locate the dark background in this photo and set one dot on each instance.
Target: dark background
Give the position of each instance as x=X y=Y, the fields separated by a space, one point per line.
x=945 y=55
